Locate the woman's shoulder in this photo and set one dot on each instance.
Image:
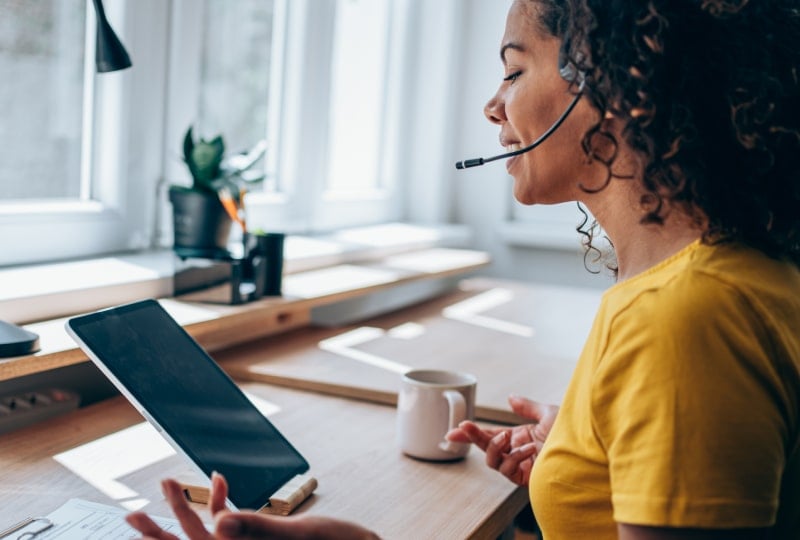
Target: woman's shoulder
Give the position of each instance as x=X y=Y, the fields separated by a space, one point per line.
x=711 y=281
x=723 y=303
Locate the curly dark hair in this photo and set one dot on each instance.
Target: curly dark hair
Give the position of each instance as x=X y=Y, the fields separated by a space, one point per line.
x=708 y=92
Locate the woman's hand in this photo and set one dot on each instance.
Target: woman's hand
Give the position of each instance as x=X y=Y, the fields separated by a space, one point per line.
x=240 y=525
x=511 y=451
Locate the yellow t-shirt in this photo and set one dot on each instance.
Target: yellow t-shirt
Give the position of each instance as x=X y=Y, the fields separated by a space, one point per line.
x=684 y=407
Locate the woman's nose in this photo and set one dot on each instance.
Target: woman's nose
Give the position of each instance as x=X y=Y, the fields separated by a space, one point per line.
x=495 y=110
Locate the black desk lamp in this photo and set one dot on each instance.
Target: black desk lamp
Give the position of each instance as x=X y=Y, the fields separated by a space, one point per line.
x=110 y=54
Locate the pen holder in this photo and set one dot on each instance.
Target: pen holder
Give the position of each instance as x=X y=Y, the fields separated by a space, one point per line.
x=264 y=262
x=232 y=277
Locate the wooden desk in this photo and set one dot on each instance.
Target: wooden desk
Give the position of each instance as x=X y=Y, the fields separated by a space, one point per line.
x=515 y=338
x=105 y=453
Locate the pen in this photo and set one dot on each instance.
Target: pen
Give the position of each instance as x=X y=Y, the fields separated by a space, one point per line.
x=231 y=207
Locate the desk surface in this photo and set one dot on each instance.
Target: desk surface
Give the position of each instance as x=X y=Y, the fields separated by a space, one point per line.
x=515 y=338
x=106 y=453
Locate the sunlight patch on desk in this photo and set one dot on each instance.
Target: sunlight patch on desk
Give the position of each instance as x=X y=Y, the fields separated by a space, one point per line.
x=468 y=311
x=352 y=338
x=334 y=280
x=102 y=461
x=342 y=345
x=408 y=331
x=267 y=408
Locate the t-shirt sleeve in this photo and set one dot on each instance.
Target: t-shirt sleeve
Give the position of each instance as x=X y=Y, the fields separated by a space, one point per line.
x=688 y=407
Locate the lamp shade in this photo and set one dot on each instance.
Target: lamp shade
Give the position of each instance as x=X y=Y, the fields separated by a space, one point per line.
x=110 y=54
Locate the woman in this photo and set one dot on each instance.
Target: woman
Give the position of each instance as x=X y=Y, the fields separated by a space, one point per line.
x=683 y=416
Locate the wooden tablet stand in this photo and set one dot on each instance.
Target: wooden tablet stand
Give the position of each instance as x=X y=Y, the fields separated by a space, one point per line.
x=282 y=503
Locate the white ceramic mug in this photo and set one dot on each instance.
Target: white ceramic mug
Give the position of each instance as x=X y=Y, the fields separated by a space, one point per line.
x=431 y=403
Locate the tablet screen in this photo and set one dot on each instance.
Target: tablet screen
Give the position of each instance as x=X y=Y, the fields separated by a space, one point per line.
x=184 y=391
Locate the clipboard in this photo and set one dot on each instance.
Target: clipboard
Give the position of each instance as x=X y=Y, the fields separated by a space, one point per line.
x=37 y=524
x=71 y=520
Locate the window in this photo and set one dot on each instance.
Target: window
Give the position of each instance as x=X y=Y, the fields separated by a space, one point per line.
x=85 y=158
x=316 y=79
x=42 y=62
x=41 y=137
x=78 y=182
x=365 y=78
x=358 y=88
x=236 y=54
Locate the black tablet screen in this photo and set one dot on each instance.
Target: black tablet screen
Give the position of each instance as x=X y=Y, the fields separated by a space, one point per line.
x=191 y=398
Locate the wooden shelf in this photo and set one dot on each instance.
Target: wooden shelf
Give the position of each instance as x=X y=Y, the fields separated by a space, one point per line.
x=217 y=326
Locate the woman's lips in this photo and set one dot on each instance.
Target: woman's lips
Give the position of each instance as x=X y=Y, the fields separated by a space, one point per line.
x=511 y=147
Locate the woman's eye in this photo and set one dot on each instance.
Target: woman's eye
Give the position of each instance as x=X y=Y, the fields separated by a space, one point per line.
x=513 y=77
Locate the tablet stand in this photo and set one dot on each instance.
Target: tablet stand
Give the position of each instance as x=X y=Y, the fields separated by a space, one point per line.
x=282 y=503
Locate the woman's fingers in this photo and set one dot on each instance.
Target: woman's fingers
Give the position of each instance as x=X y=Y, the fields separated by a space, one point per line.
x=516 y=464
x=218 y=494
x=190 y=522
x=469 y=432
x=509 y=451
x=149 y=528
x=249 y=526
x=527 y=408
x=521 y=435
x=496 y=449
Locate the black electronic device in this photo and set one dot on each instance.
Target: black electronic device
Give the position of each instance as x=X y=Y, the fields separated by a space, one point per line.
x=179 y=389
x=16 y=341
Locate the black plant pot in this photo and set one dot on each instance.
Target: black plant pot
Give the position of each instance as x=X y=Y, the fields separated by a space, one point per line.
x=201 y=225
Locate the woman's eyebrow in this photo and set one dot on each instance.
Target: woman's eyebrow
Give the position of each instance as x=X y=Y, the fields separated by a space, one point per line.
x=510 y=45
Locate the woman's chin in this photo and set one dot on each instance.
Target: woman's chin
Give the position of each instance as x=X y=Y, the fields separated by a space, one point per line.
x=523 y=196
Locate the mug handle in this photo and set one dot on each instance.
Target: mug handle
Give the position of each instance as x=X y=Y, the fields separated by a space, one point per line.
x=458 y=412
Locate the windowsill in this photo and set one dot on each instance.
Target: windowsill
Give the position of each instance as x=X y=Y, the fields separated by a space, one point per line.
x=541 y=235
x=311 y=281
x=46 y=291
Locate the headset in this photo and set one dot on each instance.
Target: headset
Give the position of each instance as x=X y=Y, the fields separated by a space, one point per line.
x=570 y=73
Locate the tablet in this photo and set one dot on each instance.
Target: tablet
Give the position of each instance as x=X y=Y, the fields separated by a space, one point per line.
x=179 y=389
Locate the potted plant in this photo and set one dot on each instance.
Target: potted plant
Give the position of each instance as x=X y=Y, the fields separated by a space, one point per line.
x=204 y=211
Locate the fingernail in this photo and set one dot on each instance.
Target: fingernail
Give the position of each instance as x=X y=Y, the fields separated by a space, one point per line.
x=229 y=526
x=500 y=437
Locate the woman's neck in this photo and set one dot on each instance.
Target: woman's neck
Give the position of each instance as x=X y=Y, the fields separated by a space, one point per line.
x=638 y=246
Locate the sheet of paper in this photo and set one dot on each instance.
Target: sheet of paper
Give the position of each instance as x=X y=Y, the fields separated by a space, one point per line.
x=83 y=520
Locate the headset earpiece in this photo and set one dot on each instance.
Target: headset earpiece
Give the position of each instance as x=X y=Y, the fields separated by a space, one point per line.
x=568 y=70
